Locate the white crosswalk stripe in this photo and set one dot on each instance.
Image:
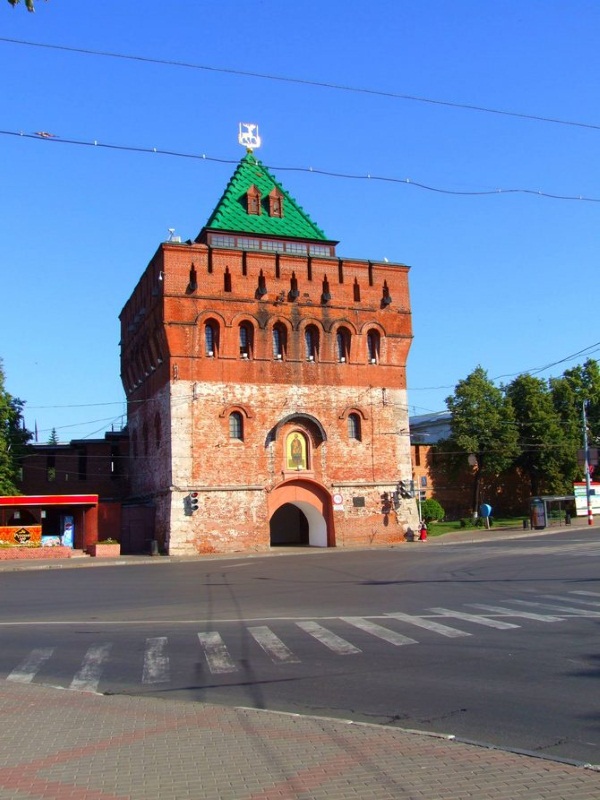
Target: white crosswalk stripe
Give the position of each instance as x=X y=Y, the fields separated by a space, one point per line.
x=156 y=661
x=511 y=612
x=272 y=645
x=379 y=631
x=476 y=618
x=429 y=624
x=570 y=599
x=571 y=610
x=156 y=670
x=89 y=674
x=28 y=669
x=329 y=639
x=216 y=654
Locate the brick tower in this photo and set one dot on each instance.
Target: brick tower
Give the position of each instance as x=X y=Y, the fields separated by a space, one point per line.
x=266 y=383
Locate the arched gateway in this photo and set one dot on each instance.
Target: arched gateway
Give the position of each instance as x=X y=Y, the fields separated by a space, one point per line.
x=300 y=512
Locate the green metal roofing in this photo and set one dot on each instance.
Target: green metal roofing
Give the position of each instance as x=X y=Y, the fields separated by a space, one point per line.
x=231 y=212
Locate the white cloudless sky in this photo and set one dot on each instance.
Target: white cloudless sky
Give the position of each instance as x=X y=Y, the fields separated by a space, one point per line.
x=506 y=280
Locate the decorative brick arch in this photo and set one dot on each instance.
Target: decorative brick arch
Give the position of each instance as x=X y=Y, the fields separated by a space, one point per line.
x=314 y=501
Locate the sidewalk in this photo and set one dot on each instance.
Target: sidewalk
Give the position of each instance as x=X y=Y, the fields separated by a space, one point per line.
x=67 y=745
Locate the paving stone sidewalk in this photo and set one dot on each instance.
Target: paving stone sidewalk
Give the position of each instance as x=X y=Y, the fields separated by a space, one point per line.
x=63 y=745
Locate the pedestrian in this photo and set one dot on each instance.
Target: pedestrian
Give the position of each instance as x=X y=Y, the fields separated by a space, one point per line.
x=423 y=532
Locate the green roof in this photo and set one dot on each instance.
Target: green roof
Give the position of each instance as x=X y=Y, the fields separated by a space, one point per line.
x=231 y=213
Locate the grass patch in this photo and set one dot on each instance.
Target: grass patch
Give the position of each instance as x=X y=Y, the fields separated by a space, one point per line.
x=440 y=528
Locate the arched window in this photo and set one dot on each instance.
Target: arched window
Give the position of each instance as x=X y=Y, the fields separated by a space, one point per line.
x=278 y=341
x=236 y=426
x=245 y=340
x=211 y=338
x=342 y=340
x=253 y=200
x=354 y=426
x=311 y=342
x=373 y=340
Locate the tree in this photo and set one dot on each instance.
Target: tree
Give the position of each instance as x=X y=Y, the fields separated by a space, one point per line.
x=13 y=439
x=53 y=438
x=483 y=428
x=576 y=386
x=431 y=510
x=29 y=4
x=547 y=455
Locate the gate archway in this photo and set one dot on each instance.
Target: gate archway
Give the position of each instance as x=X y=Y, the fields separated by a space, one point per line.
x=300 y=513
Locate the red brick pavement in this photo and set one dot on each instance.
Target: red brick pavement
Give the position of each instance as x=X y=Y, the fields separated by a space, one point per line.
x=62 y=745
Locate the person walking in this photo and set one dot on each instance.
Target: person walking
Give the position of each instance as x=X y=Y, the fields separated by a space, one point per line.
x=423 y=531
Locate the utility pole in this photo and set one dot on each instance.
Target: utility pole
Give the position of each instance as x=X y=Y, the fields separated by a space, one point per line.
x=586 y=453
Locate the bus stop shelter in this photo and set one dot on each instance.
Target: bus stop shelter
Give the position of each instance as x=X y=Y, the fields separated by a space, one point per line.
x=548 y=509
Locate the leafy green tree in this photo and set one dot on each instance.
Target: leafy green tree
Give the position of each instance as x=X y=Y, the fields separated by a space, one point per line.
x=13 y=438
x=483 y=428
x=569 y=392
x=547 y=455
x=53 y=438
x=29 y=4
x=431 y=509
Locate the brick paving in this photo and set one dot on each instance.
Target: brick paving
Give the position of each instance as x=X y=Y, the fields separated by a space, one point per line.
x=62 y=745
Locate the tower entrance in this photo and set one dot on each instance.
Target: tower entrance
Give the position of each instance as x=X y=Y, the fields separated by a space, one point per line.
x=300 y=514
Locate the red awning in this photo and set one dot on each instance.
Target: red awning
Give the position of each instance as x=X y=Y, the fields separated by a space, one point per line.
x=50 y=500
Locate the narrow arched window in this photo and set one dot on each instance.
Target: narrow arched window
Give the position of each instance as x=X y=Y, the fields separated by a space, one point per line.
x=245 y=340
x=354 y=426
x=227 y=280
x=373 y=346
x=311 y=342
x=210 y=339
x=253 y=200
x=343 y=344
x=278 y=342
x=236 y=426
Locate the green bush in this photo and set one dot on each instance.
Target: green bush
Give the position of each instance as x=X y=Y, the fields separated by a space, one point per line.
x=432 y=510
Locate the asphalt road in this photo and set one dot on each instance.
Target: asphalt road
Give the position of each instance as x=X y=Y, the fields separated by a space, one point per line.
x=494 y=642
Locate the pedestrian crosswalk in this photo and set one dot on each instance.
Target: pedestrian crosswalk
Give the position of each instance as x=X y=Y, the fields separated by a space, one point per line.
x=287 y=642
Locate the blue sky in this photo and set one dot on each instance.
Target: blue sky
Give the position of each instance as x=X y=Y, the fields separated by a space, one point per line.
x=505 y=280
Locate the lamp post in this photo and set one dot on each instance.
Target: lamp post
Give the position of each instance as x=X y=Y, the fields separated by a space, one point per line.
x=586 y=454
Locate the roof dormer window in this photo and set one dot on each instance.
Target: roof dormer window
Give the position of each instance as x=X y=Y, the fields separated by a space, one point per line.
x=253 y=201
x=275 y=204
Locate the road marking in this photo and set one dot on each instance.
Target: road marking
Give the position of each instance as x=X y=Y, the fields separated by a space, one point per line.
x=27 y=670
x=476 y=618
x=569 y=599
x=329 y=639
x=272 y=645
x=513 y=613
x=587 y=594
x=156 y=662
x=581 y=612
x=88 y=677
x=379 y=631
x=216 y=653
x=429 y=624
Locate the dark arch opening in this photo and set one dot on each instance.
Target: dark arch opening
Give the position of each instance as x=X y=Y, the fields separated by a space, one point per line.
x=288 y=527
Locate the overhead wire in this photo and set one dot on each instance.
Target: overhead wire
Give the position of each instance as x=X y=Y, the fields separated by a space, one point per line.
x=48 y=137
x=305 y=82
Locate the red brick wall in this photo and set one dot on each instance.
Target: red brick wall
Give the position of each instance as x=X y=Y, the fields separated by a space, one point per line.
x=180 y=398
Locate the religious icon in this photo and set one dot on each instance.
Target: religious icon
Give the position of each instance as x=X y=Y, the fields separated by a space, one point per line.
x=296 y=451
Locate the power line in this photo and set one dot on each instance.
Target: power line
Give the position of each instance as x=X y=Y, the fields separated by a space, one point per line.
x=306 y=82
x=48 y=137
